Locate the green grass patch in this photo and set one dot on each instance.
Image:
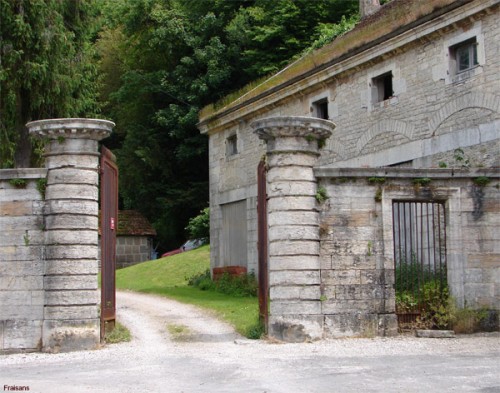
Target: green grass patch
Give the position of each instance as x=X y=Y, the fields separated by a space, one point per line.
x=169 y=277
x=119 y=334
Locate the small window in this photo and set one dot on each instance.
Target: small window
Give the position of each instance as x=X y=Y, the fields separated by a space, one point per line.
x=320 y=109
x=232 y=145
x=382 y=87
x=464 y=55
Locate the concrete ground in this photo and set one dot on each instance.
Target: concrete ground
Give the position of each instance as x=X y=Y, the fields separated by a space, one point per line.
x=178 y=348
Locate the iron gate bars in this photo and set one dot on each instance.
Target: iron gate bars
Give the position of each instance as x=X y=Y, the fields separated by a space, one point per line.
x=419 y=229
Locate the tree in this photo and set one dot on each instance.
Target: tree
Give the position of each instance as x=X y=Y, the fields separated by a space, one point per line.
x=47 y=69
x=164 y=60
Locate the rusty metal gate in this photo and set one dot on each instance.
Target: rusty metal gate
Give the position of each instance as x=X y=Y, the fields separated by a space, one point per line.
x=262 y=243
x=109 y=224
x=419 y=256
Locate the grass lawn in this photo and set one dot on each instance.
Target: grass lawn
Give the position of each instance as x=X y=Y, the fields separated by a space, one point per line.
x=168 y=277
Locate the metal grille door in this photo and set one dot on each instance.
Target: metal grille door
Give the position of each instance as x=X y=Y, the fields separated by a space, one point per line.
x=419 y=255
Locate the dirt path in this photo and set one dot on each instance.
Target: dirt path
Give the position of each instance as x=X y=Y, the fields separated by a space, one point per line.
x=202 y=354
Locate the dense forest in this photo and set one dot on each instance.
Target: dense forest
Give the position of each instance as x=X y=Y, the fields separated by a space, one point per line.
x=150 y=66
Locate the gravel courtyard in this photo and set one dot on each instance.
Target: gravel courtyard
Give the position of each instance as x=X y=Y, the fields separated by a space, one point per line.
x=205 y=355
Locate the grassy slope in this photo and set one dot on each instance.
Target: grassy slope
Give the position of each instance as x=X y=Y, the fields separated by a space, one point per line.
x=168 y=277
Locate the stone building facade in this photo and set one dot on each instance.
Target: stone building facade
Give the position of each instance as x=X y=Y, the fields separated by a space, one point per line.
x=134 y=239
x=49 y=297
x=414 y=87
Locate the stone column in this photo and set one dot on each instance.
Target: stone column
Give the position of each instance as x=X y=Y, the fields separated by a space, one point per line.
x=293 y=219
x=71 y=309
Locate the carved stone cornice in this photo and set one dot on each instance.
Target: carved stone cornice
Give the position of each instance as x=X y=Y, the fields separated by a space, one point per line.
x=71 y=128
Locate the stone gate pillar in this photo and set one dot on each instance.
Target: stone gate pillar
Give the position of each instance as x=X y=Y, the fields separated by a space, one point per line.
x=71 y=309
x=293 y=219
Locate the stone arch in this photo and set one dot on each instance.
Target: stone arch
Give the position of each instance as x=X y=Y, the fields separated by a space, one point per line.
x=396 y=126
x=468 y=100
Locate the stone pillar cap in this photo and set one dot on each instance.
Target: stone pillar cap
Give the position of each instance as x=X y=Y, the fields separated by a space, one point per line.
x=293 y=126
x=75 y=128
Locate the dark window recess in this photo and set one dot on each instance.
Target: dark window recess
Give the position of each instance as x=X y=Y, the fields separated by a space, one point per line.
x=383 y=87
x=465 y=55
x=232 y=145
x=320 y=109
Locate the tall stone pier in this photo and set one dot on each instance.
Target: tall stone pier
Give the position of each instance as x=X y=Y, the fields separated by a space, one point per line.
x=293 y=219
x=71 y=298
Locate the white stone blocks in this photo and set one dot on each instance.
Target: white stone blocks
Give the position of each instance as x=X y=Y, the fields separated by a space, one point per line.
x=295 y=307
x=280 y=248
x=293 y=218
x=309 y=292
x=292 y=277
x=287 y=203
x=293 y=262
x=291 y=188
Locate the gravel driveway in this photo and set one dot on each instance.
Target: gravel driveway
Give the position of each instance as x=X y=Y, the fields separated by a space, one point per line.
x=178 y=348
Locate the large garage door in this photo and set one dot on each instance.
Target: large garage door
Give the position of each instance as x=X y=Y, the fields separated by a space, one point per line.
x=234 y=234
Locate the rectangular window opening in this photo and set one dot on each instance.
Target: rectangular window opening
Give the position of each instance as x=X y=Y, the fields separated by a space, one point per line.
x=320 y=109
x=232 y=145
x=383 y=87
x=463 y=56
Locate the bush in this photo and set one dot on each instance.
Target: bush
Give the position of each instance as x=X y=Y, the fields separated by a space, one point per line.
x=238 y=286
x=199 y=226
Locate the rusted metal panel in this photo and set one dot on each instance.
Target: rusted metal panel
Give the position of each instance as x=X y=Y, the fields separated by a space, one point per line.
x=234 y=234
x=419 y=255
x=262 y=243
x=109 y=225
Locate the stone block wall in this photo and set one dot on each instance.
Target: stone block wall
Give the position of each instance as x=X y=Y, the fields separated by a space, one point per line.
x=430 y=115
x=131 y=250
x=357 y=242
x=49 y=244
x=21 y=258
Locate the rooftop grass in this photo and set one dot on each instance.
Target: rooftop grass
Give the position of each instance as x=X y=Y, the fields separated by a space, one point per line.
x=168 y=277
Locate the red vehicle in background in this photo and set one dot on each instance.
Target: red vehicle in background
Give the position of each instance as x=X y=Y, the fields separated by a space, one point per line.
x=189 y=245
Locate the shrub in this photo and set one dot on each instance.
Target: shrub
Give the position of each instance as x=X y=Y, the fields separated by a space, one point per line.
x=199 y=226
x=238 y=286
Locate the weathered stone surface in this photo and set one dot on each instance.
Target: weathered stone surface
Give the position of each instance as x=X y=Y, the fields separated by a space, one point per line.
x=70 y=298
x=22 y=335
x=290 y=277
x=293 y=262
x=290 y=173
x=70 y=335
x=296 y=328
x=310 y=292
x=297 y=307
x=71 y=282
x=71 y=252
x=341 y=277
x=73 y=176
x=294 y=218
x=75 y=237
x=71 y=312
x=83 y=207
x=71 y=221
x=291 y=159
x=435 y=333
x=293 y=232
x=291 y=188
x=72 y=267
x=351 y=325
x=295 y=247
x=72 y=191
x=16 y=208
x=288 y=203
